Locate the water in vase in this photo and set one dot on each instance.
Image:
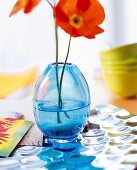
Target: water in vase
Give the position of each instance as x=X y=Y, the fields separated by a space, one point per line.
x=61 y=123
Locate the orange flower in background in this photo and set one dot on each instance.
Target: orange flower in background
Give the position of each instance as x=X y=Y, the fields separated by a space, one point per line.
x=27 y=5
x=80 y=18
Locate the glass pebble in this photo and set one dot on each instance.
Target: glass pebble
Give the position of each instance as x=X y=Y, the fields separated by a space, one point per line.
x=123 y=129
x=123 y=147
x=123 y=114
x=99 y=148
x=32 y=167
x=95 y=141
x=127 y=137
x=103 y=139
x=115 y=142
x=105 y=161
x=94 y=133
x=117 y=122
x=30 y=160
x=105 y=117
x=130 y=159
x=9 y=164
x=27 y=151
x=121 y=167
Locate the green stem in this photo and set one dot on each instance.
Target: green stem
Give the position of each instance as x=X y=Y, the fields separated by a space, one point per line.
x=50 y=4
x=57 y=78
x=63 y=69
x=59 y=85
x=61 y=79
x=56 y=37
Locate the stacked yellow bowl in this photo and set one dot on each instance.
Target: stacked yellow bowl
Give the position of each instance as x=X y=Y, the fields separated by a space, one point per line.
x=119 y=69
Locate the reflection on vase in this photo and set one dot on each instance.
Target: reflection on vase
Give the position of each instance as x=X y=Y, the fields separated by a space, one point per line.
x=61 y=109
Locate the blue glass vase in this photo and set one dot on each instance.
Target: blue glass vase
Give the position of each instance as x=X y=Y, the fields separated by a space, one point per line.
x=61 y=109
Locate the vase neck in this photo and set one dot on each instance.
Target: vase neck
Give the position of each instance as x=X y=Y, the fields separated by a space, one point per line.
x=61 y=63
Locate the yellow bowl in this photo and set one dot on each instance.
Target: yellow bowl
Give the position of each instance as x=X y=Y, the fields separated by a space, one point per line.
x=120 y=63
x=120 y=53
x=118 y=68
x=122 y=84
x=132 y=66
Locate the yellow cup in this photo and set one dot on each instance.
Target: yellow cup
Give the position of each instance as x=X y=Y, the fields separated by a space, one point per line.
x=122 y=84
x=120 y=68
x=119 y=63
x=120 y=53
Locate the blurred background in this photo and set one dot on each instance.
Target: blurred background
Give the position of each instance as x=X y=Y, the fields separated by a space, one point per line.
x=28 y=40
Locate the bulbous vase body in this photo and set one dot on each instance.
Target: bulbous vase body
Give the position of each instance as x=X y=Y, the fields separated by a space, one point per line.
x=61 y=110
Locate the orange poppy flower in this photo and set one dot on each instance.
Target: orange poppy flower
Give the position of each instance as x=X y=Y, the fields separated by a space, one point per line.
x=80 y=17
x=27 y=5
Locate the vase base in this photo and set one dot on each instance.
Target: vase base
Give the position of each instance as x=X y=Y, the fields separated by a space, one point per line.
x=62 y=145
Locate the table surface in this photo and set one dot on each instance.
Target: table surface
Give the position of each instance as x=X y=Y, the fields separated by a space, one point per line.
x=99 y=95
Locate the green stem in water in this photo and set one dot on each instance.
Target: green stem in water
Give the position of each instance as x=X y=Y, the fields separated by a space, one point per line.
x=57 y=78
x=61 y=79
x=56 y=37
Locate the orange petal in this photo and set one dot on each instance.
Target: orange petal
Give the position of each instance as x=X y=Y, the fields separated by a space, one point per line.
x=58 y=13
x=30 y=5
x=27 y=5
x=95 y=14
x=67 y=7
x=18 y=6
x=89 y=31
x=83 y=6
